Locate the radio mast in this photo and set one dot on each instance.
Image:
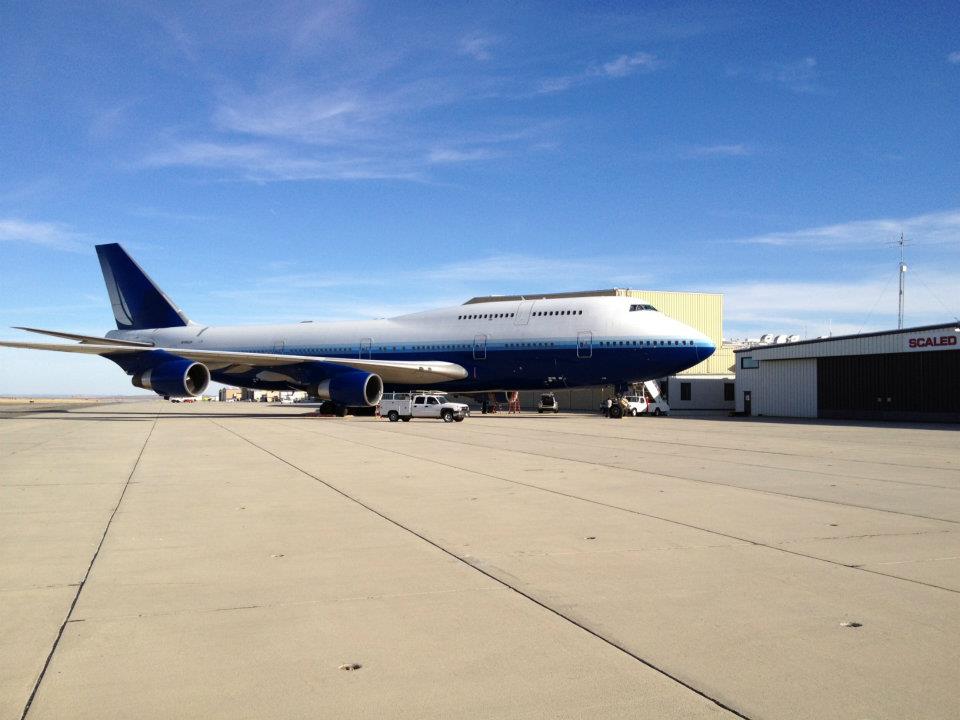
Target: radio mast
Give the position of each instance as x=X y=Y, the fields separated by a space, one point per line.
x=903 y=274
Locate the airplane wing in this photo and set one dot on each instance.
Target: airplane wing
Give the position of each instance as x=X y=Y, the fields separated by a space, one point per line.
x=401 y=372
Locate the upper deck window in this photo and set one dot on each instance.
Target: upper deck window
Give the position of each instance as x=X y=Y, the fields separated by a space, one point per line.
x=642 y=306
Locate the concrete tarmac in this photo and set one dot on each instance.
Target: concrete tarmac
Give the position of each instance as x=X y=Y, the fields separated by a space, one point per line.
x=249 y=561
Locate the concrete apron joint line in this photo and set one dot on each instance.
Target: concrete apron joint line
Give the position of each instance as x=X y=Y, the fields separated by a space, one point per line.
x=571 y=496
x=83 y=581
x=694 y=480
x=612 y=643
x=742 y=462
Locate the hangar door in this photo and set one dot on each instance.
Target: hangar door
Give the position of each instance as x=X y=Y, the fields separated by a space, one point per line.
x=896 y=386
x=786 y=388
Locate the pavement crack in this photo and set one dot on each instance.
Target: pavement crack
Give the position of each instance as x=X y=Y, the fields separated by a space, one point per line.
x=473 y=564
x=680 y=477
x=632 y=511
x=83 y=581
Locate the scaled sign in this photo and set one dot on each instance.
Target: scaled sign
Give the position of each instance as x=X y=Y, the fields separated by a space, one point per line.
x=934 y=340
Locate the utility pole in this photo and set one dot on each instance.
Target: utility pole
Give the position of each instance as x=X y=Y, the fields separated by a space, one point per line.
x=903 y=276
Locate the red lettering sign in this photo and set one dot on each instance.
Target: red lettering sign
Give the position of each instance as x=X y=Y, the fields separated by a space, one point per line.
x=920 y=342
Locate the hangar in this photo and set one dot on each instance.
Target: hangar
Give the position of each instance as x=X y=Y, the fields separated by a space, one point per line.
x=911 y=374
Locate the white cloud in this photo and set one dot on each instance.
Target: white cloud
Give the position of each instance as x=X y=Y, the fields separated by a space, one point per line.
x=619 y=67
x=477 y=46
x=49 y=234
x=298 y=115
x=627 y=64
x=800 y=76
x=954 y=58
x=932 y=228
x=714 y=151
x=266 y=162
x=450 y=155
x=752 y=308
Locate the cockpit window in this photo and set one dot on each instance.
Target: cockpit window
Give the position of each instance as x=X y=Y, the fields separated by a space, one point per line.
x=642 y=306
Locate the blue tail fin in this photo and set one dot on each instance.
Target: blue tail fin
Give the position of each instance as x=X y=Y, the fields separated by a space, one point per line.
x=137 y=302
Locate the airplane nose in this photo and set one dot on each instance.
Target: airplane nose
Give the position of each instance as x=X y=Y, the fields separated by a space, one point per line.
x=705 y=347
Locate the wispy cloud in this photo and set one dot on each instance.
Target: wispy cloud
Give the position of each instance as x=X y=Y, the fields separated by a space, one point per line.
x=331 y=297
x=48 y=234
x=800 y=76
x=477 y=46
x=265 y=162
x=450 y=155
x=618 y=67
x=954 y=58
x=719 y=151
x=300 y=133
x=839 y=306
x=933 y=228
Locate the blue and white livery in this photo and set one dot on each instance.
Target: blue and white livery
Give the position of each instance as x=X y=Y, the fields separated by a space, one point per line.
x=485 y=345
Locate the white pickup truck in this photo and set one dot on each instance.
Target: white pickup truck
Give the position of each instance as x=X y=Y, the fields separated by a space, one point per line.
x=406 y=406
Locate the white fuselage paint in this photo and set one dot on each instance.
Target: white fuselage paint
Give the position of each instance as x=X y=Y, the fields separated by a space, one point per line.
x=547 y=326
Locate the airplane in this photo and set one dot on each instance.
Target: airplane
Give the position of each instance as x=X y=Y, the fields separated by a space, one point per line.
x=485 y=345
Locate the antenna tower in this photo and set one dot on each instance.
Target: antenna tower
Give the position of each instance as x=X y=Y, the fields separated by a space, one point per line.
x=903 y=277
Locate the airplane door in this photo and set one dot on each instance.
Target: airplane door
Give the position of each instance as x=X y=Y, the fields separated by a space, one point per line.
x=585 y=344
x=523 y=312
x=365 y=346
x=480 y=347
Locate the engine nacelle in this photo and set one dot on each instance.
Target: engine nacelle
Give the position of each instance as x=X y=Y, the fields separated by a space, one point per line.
x=350 y=389
x=175 y=378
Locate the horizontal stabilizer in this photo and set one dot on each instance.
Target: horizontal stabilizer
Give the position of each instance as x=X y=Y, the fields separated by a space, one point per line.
x=86 y=339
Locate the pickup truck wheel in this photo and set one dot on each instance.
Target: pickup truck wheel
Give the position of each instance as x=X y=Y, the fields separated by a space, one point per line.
x=393 y=416
x=459 y=419
x=447 y=415
x=405 y=419
x=633 y=412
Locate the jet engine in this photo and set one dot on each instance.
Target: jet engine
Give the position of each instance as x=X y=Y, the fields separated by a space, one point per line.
x=350 y=389
x=175 y=378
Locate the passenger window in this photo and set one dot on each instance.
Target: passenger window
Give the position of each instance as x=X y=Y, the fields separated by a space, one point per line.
x=418 y=401
x=432 y=401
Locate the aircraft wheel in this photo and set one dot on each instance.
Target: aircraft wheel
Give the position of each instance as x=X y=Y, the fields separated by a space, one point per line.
x=393 y=416
x=341 y=411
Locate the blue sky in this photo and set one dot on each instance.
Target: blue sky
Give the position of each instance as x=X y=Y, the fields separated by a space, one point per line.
x=281 y=161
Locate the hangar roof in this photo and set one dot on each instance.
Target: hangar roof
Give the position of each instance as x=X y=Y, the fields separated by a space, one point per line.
x=952 y=326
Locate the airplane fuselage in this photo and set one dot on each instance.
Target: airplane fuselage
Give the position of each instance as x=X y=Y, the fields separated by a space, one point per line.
x=504 y=345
